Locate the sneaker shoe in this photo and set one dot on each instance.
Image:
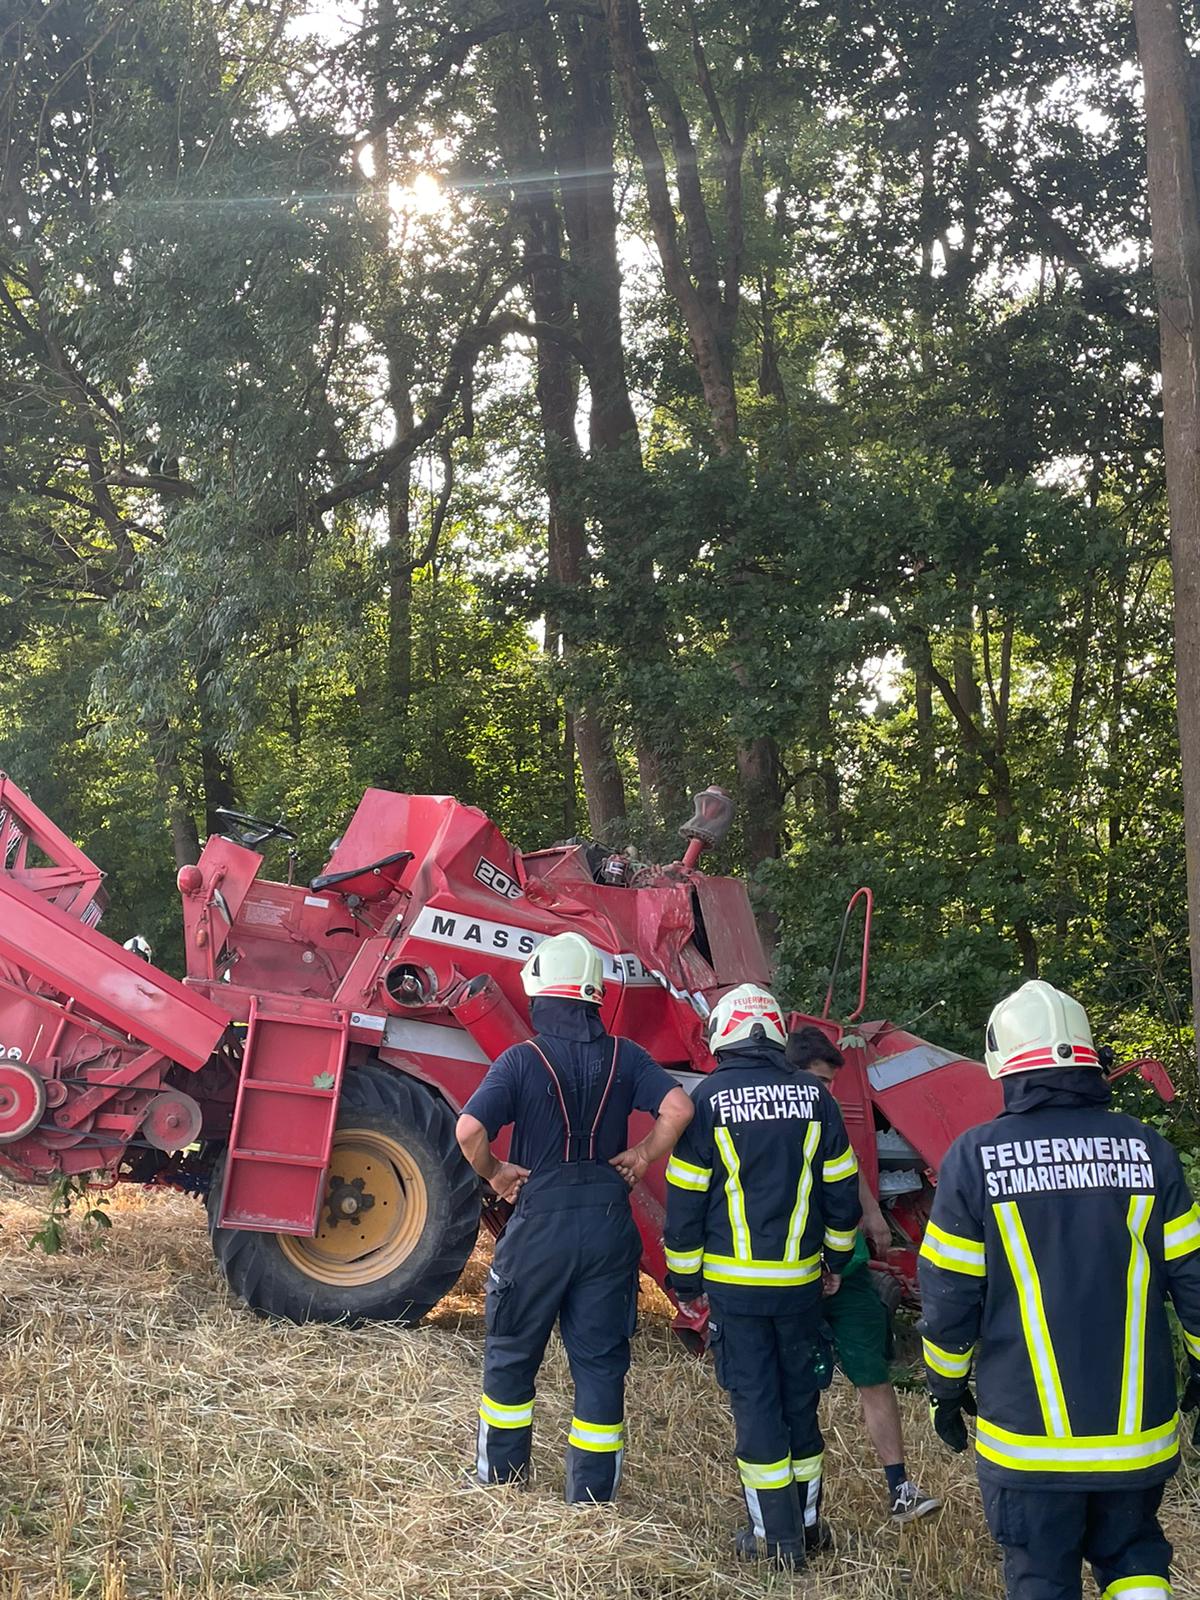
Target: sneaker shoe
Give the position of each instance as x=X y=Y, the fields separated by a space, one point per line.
x=750 y=1548
x=909 y=1502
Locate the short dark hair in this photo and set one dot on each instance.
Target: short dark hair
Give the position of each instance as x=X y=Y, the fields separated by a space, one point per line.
x=809 y=1044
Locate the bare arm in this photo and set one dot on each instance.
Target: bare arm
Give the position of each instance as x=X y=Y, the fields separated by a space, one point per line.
x=504 y=1176
x=874 y=1223
x=674 y=1114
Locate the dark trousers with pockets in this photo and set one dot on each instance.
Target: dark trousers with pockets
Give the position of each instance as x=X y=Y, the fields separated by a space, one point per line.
x=1047 y=1535
x=570 y=1253
x=768 y=1366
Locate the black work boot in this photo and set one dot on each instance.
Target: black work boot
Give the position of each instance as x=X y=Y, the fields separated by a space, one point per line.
x=818 y=1538
x=751 y=1548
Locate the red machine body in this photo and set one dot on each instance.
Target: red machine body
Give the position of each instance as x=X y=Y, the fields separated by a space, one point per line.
x=405 y=955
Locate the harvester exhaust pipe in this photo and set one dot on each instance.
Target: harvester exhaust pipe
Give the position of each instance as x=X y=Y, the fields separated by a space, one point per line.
x=485 y=1013
x=710 y=821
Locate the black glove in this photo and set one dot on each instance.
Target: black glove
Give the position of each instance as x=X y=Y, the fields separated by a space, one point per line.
x=947 y=1418
x=1190 y=1401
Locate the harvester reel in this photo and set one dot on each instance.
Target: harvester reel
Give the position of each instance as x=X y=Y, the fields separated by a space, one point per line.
x=22 y=1101
x=172 y=1121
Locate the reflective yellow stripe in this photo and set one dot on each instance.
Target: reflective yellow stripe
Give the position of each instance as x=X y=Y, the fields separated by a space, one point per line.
x=799 y=1219
x=807 y=1469
x=843 y=1166
x=1033 y=1320
x=1146 y=1586
x=766 y=1475
x=1193 y=1344
x=786 y=1274
x=949 y=1363
x=685 y=1176
x=1080 y=1453
x=953 y=1252
x=1137 y=1283
x=1182 y=1235
x=596 y=1436
x=734 y=1198
x=840 y=1241
x=498 y=1416
x=684 y=1260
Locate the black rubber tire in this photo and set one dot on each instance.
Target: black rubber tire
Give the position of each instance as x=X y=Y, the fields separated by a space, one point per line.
x=263 y=1278
x=889 y=1291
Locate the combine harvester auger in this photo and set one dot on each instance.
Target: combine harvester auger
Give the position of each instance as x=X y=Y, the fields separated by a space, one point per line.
x=307 y=1072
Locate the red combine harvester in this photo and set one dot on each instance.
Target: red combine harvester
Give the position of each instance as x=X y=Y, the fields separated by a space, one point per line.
x=307 y=1072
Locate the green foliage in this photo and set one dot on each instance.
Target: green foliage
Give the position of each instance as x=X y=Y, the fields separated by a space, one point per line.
x=63 y=1193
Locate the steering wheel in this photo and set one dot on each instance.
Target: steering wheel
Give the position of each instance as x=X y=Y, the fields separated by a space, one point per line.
x=251 y=831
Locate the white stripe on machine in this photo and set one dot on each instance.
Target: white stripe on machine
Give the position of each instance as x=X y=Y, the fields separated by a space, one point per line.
x=431 y=1039
x=511 y=943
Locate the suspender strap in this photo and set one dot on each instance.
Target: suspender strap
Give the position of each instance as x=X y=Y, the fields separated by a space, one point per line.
x=580 y=1122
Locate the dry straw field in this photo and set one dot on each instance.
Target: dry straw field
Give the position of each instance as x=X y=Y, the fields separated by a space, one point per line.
x=156 y=1441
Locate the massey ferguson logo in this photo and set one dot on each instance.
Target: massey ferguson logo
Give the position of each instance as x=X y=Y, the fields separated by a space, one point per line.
x=498 y=882
x=514 y=944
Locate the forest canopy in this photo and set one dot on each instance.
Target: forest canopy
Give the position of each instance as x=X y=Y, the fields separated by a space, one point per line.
x=566 y=404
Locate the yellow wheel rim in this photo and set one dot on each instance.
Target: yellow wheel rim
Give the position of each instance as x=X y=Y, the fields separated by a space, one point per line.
x=373 y=1212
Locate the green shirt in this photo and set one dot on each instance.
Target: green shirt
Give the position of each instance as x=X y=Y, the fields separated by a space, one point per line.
x=861 y=1255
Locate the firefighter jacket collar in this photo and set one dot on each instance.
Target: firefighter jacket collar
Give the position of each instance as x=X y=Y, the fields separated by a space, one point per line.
x=746 y=1058
x=567 y=1019
x=1064 y=1089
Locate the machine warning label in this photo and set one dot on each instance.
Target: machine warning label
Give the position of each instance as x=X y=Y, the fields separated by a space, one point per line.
x=263 y=914
x=498 y=882
x=513 y=944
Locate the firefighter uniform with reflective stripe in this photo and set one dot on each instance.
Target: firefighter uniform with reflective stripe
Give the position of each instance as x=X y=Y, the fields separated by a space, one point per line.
x=761 y=1189
x=1058 y=1232
x=571 y=1250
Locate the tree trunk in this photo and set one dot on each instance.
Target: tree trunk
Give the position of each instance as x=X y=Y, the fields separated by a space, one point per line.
x=698 y=301
x=923 y=700
x=558 y=394
x=181 y=820
x=758 y=769
x=693 y=280
x=570 y=820
x=185 y=837
x=398 y=556
x=1069 y=753
x=831 y=778
x=219 y=787
x=1167 y=71
x=1114 y=751
x=580 y=144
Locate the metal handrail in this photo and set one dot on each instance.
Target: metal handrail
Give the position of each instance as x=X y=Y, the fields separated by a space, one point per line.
x=858 y=895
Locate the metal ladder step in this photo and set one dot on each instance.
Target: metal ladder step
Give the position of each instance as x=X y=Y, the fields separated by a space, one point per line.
x=282 y=1130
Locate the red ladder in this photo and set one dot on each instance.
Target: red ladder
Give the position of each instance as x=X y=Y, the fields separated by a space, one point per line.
x=283 y=1121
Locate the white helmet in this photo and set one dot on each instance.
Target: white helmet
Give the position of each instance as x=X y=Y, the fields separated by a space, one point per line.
x=565 y=967
x=137 y=946
x=746 y=1015
x=1038 y=1027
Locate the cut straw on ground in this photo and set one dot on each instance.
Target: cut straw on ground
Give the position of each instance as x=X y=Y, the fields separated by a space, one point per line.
x=156 y=1440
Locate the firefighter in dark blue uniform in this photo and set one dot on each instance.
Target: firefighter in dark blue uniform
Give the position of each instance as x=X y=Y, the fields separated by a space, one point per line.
x=1058 y=1232
x=762 y=1193
x=571 y=1250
